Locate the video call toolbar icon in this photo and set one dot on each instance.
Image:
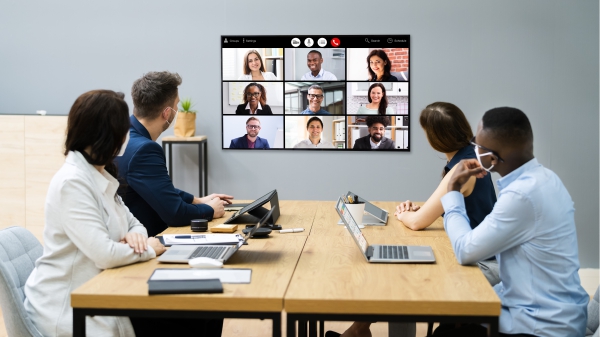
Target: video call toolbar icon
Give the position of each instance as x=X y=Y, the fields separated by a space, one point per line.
x=308 y=42
x=295 y=42
x=322 y=42
x=335 y=42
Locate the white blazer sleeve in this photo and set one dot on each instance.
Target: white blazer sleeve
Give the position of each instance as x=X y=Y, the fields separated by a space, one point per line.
x=82 y=218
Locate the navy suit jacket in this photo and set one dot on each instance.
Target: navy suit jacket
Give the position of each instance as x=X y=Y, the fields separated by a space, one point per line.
x=242 y=143
x=150 y=194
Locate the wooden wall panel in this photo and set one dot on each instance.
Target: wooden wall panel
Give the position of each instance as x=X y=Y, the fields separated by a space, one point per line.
x=12 y=177
x=44 y=146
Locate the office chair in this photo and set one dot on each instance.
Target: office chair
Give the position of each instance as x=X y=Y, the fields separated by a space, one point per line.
x=18 y=251
x=593 y=316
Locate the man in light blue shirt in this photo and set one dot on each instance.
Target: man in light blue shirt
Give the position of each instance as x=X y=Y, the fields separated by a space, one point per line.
x=314 y=60
x=531 y=231
x=315 y=98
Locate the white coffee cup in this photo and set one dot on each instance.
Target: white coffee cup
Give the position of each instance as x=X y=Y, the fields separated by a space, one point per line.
x=357 y=211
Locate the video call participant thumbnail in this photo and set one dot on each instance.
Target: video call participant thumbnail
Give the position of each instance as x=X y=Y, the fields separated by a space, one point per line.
x=314 y=141
x=379 y=66
x=378 y=102
x=250 y=140
x=254 y=101
x=314 y=61
x=376 y=139
x=315 y=98
x=254 y=68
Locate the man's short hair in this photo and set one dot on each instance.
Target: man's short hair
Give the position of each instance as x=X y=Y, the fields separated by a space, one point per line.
x=378 y=119
x=508 y=125
x=252 y=119
x=153 y=92
x=315 y=87
x=315 y=52
x=312 y=119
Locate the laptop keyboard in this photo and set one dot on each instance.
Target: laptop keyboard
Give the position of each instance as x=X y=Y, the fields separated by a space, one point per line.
x=393 y=252
x=213 y=252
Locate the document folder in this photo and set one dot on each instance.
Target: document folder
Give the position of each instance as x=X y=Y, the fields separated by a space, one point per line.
x=185 y=287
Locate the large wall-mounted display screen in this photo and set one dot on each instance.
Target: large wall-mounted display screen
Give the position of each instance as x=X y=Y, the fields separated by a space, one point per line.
x=318 y=92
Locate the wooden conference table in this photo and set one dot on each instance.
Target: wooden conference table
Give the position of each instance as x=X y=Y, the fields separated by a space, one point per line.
x=315 y=275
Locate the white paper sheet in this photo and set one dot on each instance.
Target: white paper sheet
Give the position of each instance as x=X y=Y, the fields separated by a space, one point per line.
x=202 y=239
x=226 y=275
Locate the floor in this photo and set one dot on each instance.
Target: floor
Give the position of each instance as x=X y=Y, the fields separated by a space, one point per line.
x=590 y=278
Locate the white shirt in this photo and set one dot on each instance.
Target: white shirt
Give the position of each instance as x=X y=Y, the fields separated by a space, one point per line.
x=268 y=76
x=374 y=146
x=323 y=75
x=307 y=144
x=259 y=107
x=84 y=225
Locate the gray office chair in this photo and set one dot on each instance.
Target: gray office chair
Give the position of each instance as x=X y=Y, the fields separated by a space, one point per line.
x=18 y=251
x=593 y=316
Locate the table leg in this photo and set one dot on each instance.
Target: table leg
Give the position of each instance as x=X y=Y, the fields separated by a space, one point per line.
x=322 y=328
x=205 y=167
x=201 y=171
x=78 y=323
x=277 y=326
x=493 y=330
x=312 y=328
x=302 y=328
x=291 y=326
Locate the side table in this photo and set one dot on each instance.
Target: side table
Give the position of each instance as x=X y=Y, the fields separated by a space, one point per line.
x=202 y=158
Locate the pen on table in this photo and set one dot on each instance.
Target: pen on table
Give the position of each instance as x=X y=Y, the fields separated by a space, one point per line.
x=292 y=230
x=187 y=236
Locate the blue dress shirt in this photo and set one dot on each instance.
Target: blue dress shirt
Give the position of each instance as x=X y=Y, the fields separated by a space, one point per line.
x=531 y=230
x=310 y=112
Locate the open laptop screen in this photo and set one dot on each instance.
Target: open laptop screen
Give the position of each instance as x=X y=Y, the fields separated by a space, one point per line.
x=351 y=225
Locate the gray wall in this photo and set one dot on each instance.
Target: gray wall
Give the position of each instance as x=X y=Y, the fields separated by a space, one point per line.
x=540 y=56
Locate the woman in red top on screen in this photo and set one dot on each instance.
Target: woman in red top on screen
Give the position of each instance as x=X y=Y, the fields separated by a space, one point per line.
x=255 y=101
x=254 y=68
x=379 y=67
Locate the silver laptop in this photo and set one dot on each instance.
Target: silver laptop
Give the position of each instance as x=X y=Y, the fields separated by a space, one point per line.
x=383 y=253
x=374 y=216
x=184 y=253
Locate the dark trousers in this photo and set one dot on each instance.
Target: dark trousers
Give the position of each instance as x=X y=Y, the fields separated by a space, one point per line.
x=144 y=326
x=471 y=330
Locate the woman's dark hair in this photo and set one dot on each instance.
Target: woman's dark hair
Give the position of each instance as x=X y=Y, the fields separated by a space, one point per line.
x=387 y=68
x=99 y=119
x=384 y=102
x=263 y=93
x=446 y=127
x=312 y=119
x=247 y=67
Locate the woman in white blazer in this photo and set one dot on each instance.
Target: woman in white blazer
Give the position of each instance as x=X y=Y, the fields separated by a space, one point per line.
x=254 y=68
x=88 y=228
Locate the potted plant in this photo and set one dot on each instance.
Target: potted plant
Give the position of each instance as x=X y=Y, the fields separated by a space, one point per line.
x=185 y=126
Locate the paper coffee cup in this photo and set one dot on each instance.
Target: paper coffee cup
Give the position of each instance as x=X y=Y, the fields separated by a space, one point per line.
x=357 y=211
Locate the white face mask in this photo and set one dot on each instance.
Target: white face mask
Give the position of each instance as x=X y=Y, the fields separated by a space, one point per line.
x=483 y=155
x=124 y=146
x=174 y=118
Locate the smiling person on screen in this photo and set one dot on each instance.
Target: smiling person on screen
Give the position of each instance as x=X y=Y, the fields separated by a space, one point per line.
x=314 y=60
x=250 y=140
x=314 y=141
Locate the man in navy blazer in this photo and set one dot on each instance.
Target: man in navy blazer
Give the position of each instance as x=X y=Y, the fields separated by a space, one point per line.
x=149 y=193
x=250 y=140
